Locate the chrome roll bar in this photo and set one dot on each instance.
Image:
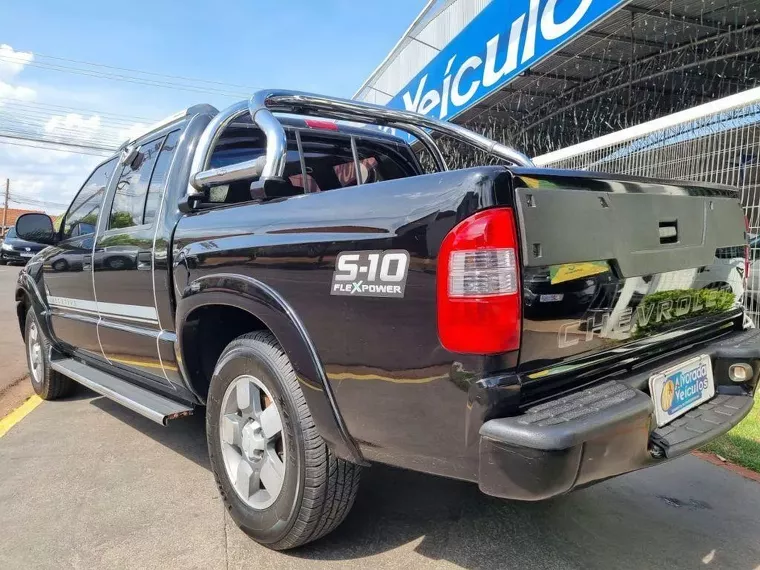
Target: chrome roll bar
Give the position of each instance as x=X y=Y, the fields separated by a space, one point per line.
x=264 y=103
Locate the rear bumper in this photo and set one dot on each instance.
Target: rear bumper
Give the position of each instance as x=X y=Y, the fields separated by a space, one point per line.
x=609 y=429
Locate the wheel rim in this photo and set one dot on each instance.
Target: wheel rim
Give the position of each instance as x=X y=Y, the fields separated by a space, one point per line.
x=253 y=449
x=35 y=353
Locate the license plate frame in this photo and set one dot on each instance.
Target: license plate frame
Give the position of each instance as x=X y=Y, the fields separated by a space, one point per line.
x=681 y=388
x=26 y=254
x=551 y=297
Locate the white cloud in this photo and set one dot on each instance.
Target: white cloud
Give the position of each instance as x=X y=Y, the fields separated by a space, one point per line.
x=73 y=125
x=47 y=176
x=13 y=62
x=8 y=91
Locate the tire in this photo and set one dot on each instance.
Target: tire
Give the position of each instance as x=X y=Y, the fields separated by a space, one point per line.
x=317 y=489
x=117 y=263
x=60 y=265
x=47 y=383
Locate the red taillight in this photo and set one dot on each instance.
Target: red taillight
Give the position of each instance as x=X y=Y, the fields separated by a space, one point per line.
x=479 y=301
x=324 y=125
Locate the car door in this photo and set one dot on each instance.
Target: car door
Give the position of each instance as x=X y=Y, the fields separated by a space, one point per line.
x=68 y=267
x=123 y=263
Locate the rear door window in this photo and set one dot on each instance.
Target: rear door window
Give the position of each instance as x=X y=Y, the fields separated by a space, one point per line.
x=132 y=187
x=160 y=174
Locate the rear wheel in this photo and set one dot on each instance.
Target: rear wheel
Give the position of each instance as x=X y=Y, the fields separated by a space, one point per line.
x=279 y=481
x=47 y=383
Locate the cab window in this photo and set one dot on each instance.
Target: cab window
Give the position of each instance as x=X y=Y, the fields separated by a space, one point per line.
x=129 y=199
x=82 y=216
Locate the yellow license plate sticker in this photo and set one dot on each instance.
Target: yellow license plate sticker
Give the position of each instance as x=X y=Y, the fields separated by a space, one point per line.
x=570 y=271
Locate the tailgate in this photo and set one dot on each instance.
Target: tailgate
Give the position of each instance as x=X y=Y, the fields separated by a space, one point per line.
x=612 y=261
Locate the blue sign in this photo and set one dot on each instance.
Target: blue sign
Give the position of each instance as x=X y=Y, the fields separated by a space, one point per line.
x=507 y=37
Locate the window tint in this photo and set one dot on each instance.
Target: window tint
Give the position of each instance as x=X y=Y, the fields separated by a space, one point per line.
x=242 y=145
x=83 y=212
x=132 y=187
x=378 y=163
x=158 y=180
x=329 y=162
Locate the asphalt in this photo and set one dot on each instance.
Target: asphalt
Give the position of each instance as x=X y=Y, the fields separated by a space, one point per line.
x=12 y=356
x=85 y=483
x=13 y=368
x=88 y=484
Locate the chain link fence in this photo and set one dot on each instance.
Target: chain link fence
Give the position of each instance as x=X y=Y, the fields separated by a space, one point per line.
x=718 y=142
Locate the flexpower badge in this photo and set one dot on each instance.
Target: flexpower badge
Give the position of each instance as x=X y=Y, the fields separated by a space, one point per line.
x=371 y=273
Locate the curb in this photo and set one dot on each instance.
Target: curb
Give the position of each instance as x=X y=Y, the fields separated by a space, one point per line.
x=18 y=414
x=733 y=467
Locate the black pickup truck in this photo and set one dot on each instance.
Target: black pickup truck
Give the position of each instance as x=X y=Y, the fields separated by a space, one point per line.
x=333 y=303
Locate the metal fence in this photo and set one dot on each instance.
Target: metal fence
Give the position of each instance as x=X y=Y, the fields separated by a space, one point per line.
x=717 y=142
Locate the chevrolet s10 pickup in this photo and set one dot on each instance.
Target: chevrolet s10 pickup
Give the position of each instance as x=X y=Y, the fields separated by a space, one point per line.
x=331 y=296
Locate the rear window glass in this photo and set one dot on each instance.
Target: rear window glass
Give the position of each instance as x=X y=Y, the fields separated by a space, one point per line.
x=379 y=163
x=328 y=160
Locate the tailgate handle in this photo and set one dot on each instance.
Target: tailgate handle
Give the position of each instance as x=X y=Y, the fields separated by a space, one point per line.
x=669 y=232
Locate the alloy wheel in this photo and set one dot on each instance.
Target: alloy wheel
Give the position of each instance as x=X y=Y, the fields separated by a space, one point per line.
x=34 y=346
x=253 y=447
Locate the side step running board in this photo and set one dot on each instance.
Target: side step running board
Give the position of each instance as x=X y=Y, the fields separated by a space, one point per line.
x=144 y=402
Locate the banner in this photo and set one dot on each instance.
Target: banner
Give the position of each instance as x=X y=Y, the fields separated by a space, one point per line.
x=506 y=38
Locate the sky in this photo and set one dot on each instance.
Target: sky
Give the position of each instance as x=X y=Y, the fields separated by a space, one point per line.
x=235 y=46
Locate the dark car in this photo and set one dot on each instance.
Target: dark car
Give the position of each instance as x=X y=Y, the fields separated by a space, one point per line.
x=17 y=250
x=549 y=295
x=329 y=304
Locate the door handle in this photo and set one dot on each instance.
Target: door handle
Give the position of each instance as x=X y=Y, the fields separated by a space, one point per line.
x=86 y=262
x=144 y=260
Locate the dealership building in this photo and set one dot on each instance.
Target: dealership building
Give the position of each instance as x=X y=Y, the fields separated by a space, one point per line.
x=545 y=75
x=662 y=88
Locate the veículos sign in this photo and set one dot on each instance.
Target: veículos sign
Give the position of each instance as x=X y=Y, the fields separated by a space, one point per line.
x=507 y=37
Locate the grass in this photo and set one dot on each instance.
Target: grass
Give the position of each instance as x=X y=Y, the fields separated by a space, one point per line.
x=742 y=444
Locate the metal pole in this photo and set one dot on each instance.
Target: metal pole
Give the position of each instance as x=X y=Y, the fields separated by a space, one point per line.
x=5 y=209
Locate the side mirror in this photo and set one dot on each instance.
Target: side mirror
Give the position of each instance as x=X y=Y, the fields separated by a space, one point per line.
x=36 y=227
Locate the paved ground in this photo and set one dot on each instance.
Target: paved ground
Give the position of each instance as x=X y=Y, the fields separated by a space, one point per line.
x=12 y=359
x=85 y=483
x=88 y=484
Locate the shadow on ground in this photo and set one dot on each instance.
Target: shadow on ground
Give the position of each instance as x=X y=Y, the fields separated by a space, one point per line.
x=638 y=521
x=186 y=436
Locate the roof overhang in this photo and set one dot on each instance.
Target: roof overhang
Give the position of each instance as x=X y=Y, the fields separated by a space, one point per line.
x=558 y=73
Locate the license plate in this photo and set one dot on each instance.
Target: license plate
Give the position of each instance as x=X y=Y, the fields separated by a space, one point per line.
x=677 y=390
x=552 y=298
x=27 y=255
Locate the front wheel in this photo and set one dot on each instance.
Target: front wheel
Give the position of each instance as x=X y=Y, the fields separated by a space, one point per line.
x=47 y=383
x=279 y=481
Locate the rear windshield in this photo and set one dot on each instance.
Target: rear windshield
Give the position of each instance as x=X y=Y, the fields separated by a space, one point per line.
x=327 y=158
